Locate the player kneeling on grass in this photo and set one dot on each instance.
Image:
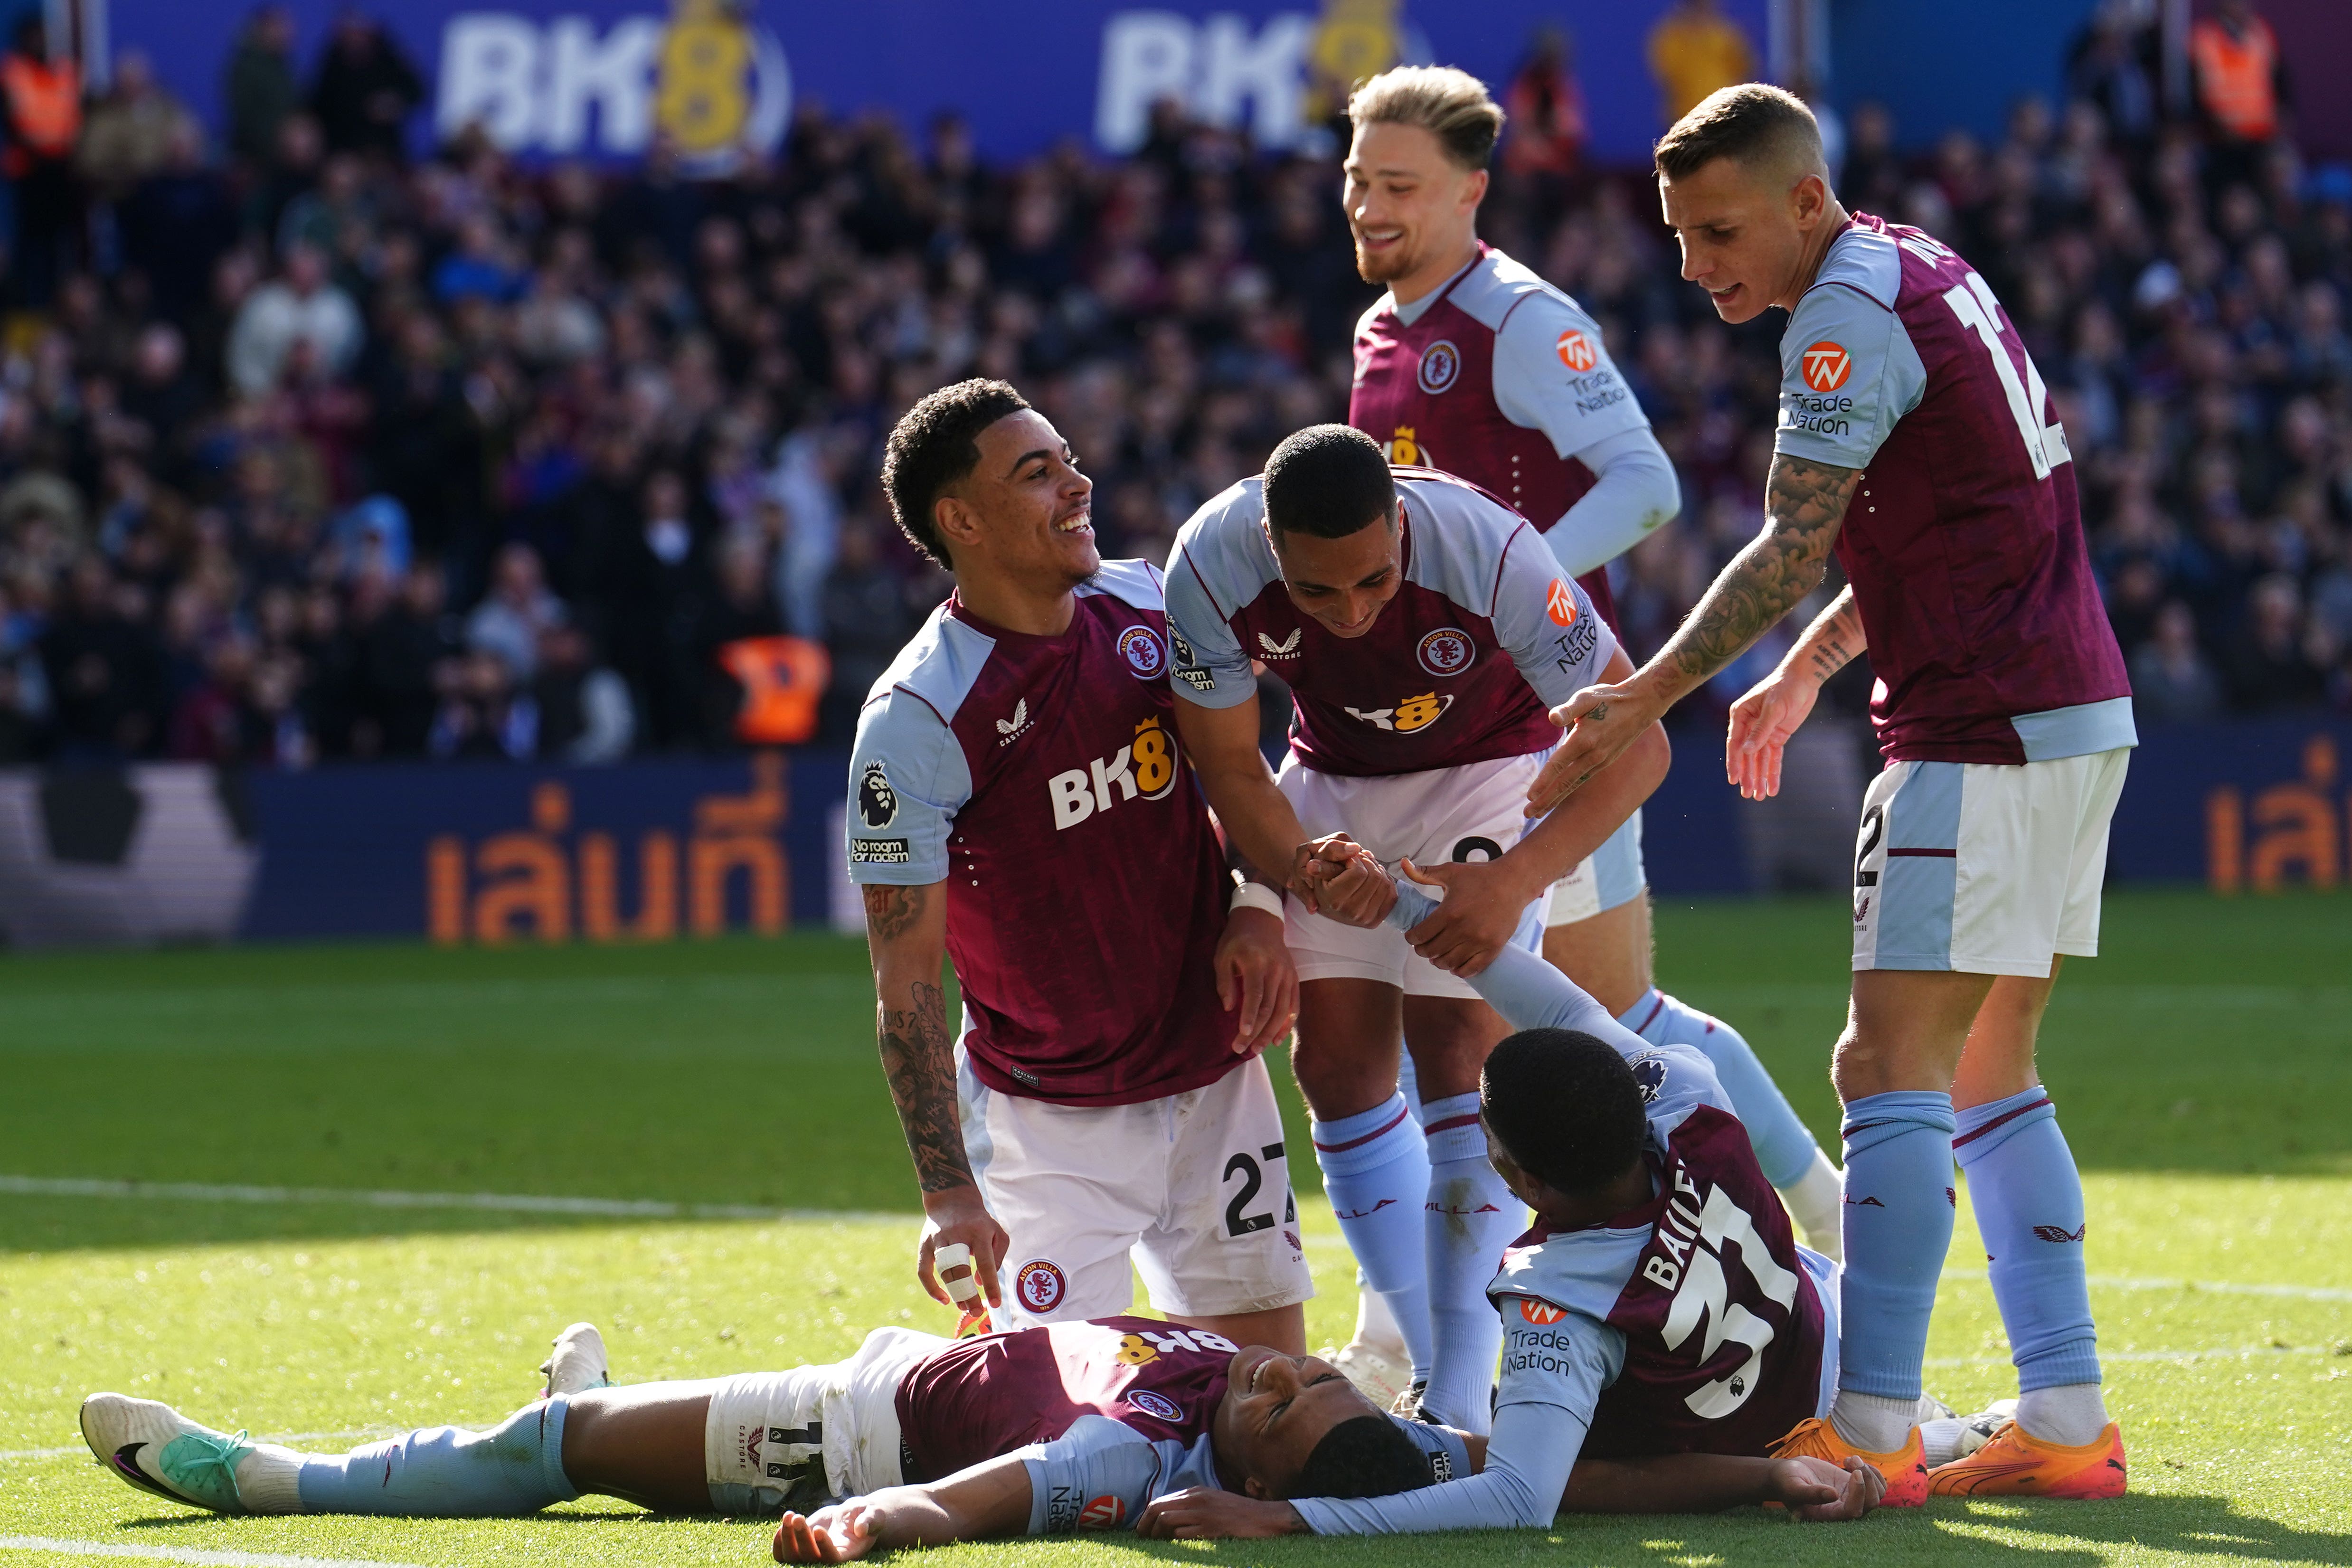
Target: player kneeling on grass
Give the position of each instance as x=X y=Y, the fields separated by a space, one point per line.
x=1662 y=1327
x=1073 y=1426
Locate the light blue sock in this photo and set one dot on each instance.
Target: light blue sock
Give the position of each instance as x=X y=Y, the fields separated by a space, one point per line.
x=1898 y=1225
x=1408 y=1084
x=1784 y=1146
x=445 y=1472
x=1472 y=1218
x=1376 y=1173
x=2029 y=1202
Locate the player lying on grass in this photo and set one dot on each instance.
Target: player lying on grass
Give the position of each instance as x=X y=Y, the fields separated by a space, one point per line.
x=1660 y=1305
x=1070 y=1425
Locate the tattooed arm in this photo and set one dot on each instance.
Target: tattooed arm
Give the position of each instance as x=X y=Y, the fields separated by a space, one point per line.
x=1763 y=719
x=906 y=933
x=1804 y=505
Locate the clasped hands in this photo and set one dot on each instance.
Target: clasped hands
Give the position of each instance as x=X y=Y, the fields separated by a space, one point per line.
x=1338 y=877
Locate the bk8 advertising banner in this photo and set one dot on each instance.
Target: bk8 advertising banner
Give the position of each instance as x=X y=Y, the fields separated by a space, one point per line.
x=599 y=80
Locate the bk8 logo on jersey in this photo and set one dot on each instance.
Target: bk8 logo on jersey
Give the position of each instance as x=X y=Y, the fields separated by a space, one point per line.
x=1143 y=769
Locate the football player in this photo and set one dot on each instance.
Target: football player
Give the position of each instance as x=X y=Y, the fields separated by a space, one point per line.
x=1422 y=627
x=1018 y=802
x=1662 y=1326
x=1916 y=440
x=1073 y=1426
x=1474 y=364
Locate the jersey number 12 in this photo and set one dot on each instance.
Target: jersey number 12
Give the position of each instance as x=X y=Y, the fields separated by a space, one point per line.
x=2045 y=445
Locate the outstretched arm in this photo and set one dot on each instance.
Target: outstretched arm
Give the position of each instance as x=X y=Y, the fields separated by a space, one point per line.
x=906 y=934
x=1762 y=721
x=981 y=1503
x=1812 y=1489
x=1805 y=505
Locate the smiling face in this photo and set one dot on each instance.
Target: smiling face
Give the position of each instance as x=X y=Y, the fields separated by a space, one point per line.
x=1409 y=207
x=1747 y=231
x=1343 y=582
x=1024 y=510
x=1276 y=1409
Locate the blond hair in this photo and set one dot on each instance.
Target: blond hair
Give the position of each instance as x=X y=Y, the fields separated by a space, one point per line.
x=1450 y=105
x=1751 y=123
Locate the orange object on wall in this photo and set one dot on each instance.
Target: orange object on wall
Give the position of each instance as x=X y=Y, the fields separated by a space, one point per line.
x=782 y=680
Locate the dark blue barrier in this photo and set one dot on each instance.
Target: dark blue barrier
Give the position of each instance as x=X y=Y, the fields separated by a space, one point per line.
x=658 y=849
x=2252 y=805
x=601 y=78
x=642 y=851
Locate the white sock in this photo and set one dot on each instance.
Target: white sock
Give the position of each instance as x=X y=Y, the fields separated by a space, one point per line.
x=2070 y=1414
x=1376 y=1326
x=265 y=1479
x=1941 y=1438
x=1816 y=1200
x=1871 y=1423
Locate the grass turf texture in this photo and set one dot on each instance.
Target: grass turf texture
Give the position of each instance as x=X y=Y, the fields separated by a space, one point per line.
x=2201 y=1073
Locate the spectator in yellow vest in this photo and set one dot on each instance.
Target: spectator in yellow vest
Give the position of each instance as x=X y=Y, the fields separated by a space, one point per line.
x=1694 y=49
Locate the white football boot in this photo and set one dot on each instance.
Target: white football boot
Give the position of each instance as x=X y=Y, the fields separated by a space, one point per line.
x=1378 y=1375
x=153 y=1446
x=577 y=1363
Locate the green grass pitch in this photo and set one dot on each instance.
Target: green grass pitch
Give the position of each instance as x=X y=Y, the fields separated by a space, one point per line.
x=2203 y=1072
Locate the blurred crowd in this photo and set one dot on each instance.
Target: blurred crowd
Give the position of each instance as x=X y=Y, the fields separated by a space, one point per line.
x=310 y=450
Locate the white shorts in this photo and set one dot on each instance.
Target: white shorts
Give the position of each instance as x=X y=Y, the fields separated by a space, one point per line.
x=1610 y=875
x=1984 y=868
x=797 y=1440
x=1474 y=812
x=1192 y=1189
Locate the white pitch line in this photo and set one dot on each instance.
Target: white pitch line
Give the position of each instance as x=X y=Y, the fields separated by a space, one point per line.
x=265 y=1437
x=2240 y=1353
x=658 y=1208
x=495 y=1202
x=184 y=1554
x=2217 y=1287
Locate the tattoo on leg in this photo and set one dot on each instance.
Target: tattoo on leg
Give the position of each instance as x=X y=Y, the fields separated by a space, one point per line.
x=920 y=1061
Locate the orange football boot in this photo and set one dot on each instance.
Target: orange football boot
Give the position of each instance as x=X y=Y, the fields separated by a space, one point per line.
x=1905 y=1469
x=2016 y=1463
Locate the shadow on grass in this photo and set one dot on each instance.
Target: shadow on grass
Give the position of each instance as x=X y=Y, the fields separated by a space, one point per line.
x=2055 y=1535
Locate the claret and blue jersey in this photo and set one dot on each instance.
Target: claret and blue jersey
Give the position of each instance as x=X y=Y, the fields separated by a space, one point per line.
x=1964 y=539
x=1039 y=779
x=1107 y=1415
x=1483 y=638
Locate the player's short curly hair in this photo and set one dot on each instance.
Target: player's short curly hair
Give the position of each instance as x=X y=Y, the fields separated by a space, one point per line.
x=1452 y=105
x=1365 y=1456
x=1328 y=481
x=1750 y=123
x=1565 y=1106
x=934 y=444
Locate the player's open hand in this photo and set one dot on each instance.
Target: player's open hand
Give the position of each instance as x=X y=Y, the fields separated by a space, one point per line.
x=1335 y=876
x=1600 y=722
x=960 y=1214
x=1817 y=1490
x=1483 y=906
x=1762 y=723
x=1256 y=978
x=834 y=1534
x=1206 y=1513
